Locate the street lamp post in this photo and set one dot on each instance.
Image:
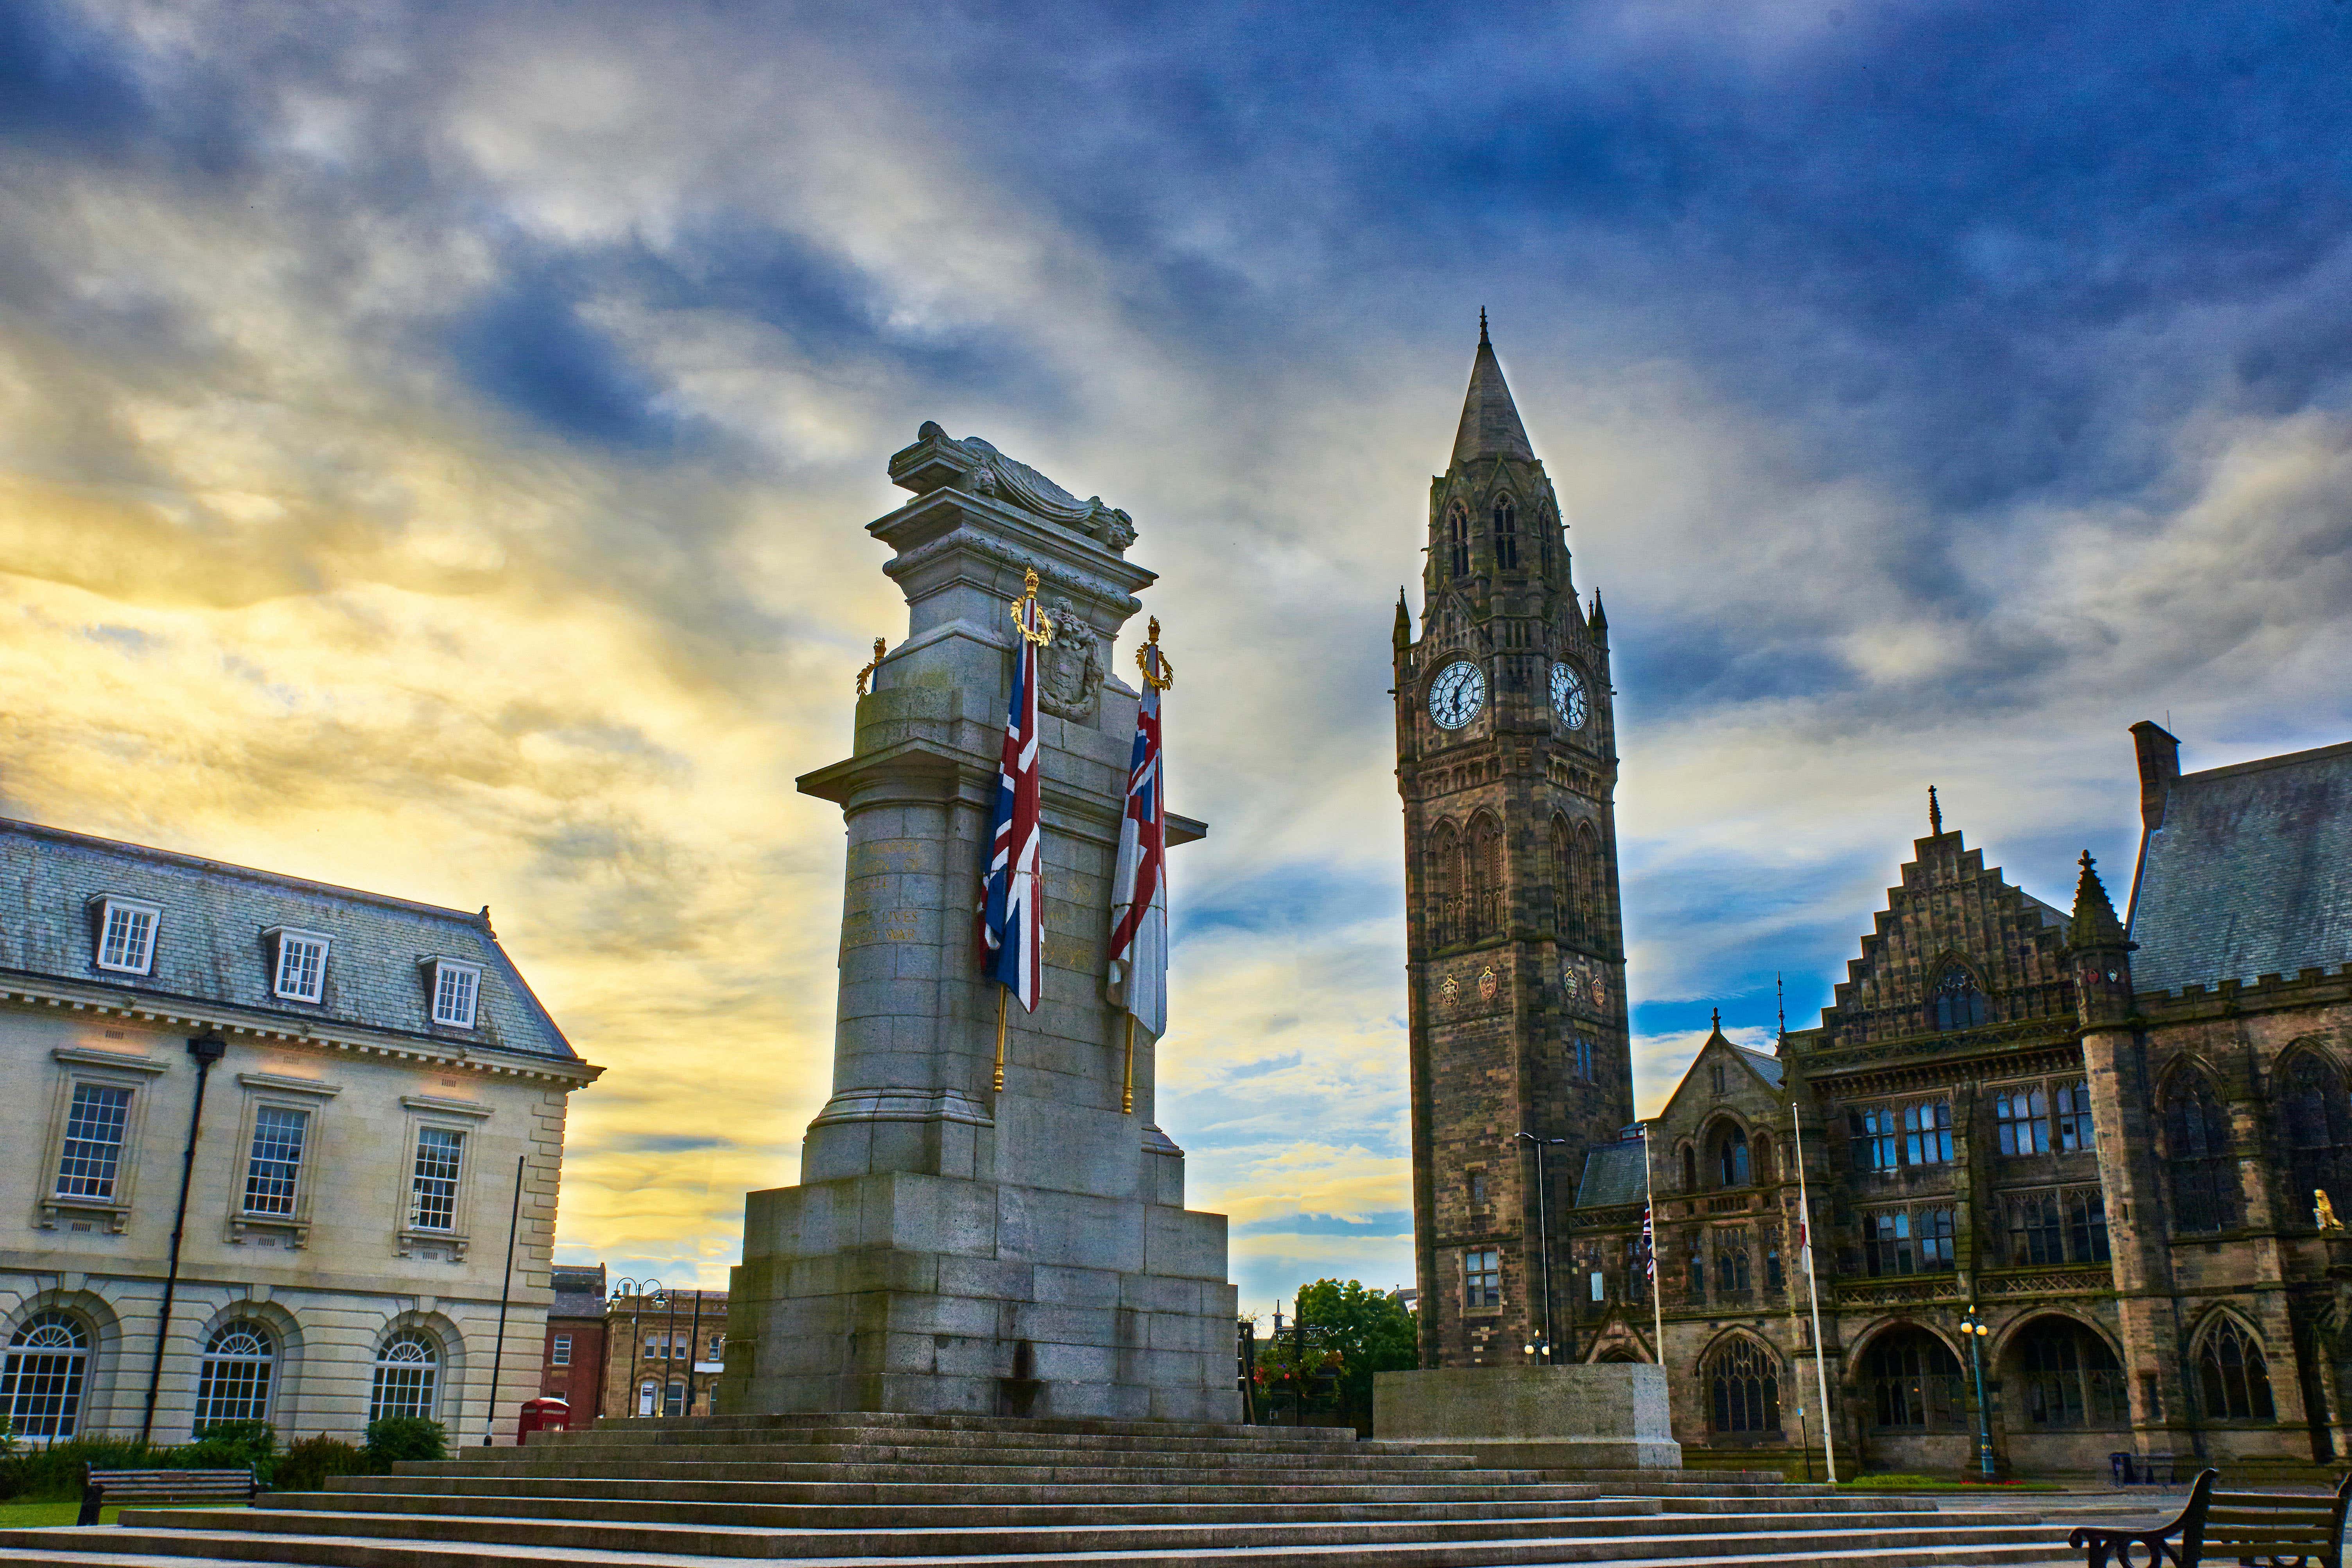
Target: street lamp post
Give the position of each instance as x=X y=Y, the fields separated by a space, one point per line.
x=1975 y=1328
x=637 y=1290
x=1542 y=1346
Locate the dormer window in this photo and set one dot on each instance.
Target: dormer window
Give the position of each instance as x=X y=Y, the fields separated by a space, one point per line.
x=126 y=936
x=300 y=972
x=456 y=992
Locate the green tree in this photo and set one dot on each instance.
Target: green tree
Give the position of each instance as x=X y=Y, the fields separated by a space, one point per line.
x=1370 y=1331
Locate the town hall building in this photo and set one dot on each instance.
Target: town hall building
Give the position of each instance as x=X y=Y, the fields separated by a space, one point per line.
x=2115 y=1147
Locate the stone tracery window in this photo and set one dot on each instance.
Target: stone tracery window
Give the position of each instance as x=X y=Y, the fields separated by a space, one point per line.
x=2232 y=1376
x=1915 y=1382
x=2205 y=1194
x=1446 y=886
x=1458 y=540
x=1956 y=1003
x=1507 y=535
x=2318 y=1137
x=1731 y=1162
x=1486 y=877
x=2072 y=1379
x=1742 y=1379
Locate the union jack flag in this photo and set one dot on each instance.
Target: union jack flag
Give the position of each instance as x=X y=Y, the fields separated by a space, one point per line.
x=1649 y=1249
x=1012 y=908
x=1139 y=913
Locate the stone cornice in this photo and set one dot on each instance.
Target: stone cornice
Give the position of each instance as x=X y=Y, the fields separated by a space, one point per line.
x=198 y=1016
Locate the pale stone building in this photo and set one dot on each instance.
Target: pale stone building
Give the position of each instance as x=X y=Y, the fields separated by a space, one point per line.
x=332 y=1097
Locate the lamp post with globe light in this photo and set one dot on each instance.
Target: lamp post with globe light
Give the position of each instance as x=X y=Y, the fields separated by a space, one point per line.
x=1975 y=1328
x=1541 y=1345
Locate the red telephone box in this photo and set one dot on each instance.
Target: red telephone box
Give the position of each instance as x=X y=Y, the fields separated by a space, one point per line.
x=550 y=1414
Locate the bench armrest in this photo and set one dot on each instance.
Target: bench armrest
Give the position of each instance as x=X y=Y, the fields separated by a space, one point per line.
x=2100 y=1542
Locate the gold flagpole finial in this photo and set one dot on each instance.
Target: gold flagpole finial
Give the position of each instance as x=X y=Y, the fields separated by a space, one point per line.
x=1029 y=618
x=872 y=664
x=1158 y=672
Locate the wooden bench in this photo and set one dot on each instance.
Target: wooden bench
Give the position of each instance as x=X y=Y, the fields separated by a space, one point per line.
x=100 y=1489
x=2282 y=1530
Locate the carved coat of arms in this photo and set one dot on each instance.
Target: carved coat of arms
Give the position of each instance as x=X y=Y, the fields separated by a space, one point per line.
x=1070 y=667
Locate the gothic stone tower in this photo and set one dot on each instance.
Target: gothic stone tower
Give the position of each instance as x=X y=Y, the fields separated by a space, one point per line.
x=1516 y=965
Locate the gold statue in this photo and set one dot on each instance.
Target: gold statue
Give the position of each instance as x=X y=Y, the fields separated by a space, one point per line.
x=873 y=664
x=2323 y=1212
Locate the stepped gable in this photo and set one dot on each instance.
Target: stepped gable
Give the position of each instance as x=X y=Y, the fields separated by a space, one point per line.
x=1957 y=949
x=868 y=1488
x=2244 y=870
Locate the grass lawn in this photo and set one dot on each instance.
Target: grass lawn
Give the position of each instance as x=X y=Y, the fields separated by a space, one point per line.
x=29 y=1515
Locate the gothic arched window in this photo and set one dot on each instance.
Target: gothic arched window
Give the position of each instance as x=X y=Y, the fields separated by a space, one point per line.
x=1763 y=1157
x=1507 y=535
x=1486 y=876
x=1690 y=1169
x=1733 y=1269
x=1591 y=883
x=2232 y=1376
x=2072 y=1378
x=2318 y=1137
x=41 y=1385
x=1957 y=1003
x=1914 y=1382
x=234 y=1384
x=1731 y=1169
x=1563 y=876
x=1458 y=540
x=1742 y=1380
x=1446 y=889
x=2197 y=1148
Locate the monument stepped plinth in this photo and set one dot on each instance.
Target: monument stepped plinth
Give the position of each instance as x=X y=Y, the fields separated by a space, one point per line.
x=873 y=1489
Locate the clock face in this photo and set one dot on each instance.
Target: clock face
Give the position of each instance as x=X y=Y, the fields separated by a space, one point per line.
x=1568 y=696
x=1457 y=694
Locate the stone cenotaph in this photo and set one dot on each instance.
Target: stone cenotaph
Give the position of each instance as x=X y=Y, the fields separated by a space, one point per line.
x=953 y=1248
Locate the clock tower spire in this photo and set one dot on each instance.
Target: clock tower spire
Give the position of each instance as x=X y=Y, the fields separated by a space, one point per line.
x=1516 y=962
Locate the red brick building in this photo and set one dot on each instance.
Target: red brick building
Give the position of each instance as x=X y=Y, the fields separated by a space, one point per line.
x=572 y=1363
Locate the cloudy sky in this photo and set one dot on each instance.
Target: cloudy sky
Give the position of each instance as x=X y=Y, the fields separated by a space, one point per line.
x=436 y=443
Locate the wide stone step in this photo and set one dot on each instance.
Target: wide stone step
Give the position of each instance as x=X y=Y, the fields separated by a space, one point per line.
x=755 y=1511
x=649 y=1433
x=703 y=1539
x=1109 y=1472
x=1364 y=1457
x=899 y=1492
x=1884 y=1547
x=913 y=1423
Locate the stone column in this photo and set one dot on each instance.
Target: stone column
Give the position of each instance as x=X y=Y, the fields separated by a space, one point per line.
x=950 y=1247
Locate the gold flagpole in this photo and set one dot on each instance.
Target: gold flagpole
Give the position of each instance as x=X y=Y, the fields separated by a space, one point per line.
x=1126 y=1093
x=1003 y=996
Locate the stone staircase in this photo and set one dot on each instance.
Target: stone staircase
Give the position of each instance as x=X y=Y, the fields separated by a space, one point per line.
x=828 y=1492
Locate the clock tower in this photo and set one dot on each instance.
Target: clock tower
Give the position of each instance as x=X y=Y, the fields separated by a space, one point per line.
x=1506 y=761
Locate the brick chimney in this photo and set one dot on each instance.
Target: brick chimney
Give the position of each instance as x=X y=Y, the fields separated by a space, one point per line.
x=2159 y=764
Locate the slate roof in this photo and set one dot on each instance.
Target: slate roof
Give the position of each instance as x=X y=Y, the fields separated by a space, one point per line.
x=2249 y=873
x=1764 y=1062
x=1490 y=424
x=578 y=1292
x=209 y=944
x=1613 y=1175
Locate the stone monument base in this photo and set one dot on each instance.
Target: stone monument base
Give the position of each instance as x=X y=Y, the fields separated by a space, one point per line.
x=930 y=1295
x=1606 y=1416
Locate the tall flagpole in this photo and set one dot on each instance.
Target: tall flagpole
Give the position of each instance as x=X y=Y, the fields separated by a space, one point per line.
x=1812 y=1290
x=1657 y=1304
